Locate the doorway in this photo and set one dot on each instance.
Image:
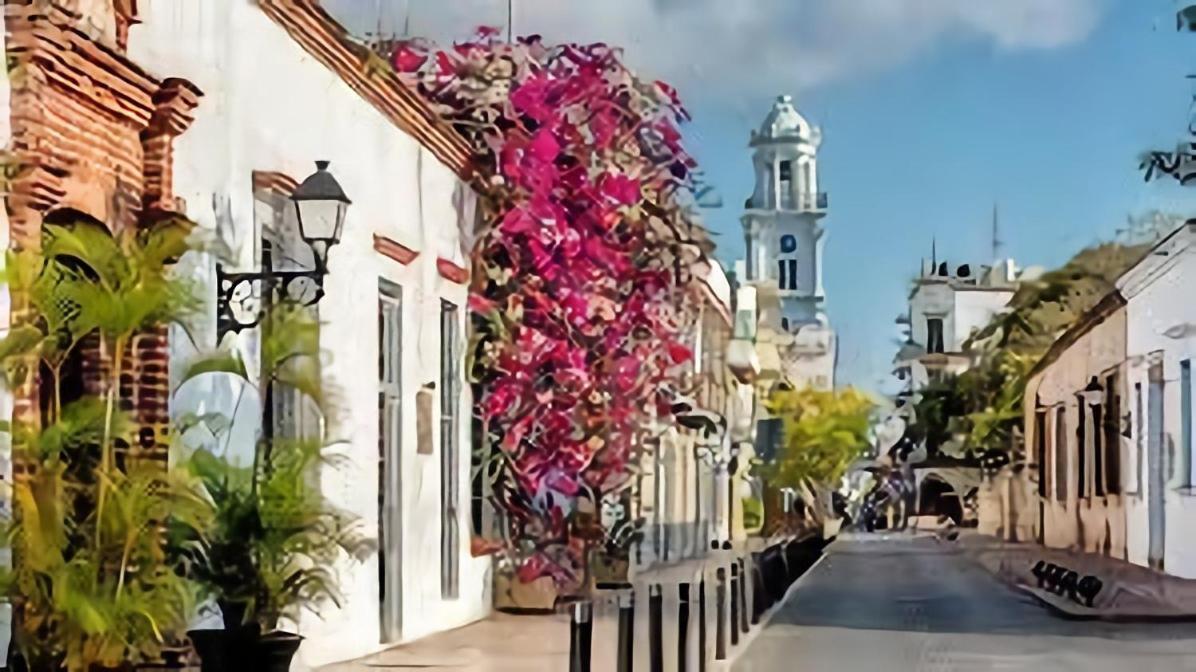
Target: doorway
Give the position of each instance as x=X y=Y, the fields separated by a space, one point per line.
x=1156 y=498
x=390 y=524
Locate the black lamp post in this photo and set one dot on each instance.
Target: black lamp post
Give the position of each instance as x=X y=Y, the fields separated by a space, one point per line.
x=320 y=207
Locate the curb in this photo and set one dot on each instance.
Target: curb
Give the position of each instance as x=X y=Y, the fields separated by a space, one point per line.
x=1073 y=612
x=745 y=642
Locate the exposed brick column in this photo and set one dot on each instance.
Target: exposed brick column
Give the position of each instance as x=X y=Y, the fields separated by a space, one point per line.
x=174 y=105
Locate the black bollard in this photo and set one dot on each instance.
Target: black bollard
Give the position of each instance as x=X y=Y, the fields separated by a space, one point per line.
x=1067 y=587
x=1088 y=588
x=734 y=604
x=1039 y=572
x=581 y=632
x=743 y=596
x=682 y=627
x=702 y=624
x=626 y=632
x=720 y=614
x=655 y=635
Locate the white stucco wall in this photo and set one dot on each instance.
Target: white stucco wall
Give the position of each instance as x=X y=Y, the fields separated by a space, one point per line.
x=269 y=106
x=1162 y=327
x=974 y=309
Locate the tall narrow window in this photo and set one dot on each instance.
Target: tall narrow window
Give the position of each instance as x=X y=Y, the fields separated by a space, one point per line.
x=1040 y=444
x=934 y=334
x=1185 y=410
x=1081 y=449
x=1112 y=437
x=1098 y=450
x=449 y=404
x=782 y=279
x=1061 y=454
x=792 y=273
x=1139 y=437
x=390 y=395
x=786 y=185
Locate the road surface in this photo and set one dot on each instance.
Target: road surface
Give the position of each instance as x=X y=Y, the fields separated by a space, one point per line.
x=897 y=604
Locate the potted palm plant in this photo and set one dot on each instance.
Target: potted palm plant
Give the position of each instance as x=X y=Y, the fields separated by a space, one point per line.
x=92 y=583
x=276 y=538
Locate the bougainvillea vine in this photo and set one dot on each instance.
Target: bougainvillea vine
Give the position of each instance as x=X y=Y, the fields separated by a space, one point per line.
x=581 y=275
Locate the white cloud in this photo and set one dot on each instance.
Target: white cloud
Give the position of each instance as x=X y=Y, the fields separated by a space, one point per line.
x=751 y=47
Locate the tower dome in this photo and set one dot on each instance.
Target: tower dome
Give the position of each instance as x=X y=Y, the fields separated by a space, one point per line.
x=783 y=122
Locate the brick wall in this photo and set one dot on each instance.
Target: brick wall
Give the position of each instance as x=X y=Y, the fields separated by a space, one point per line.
x=93 y=131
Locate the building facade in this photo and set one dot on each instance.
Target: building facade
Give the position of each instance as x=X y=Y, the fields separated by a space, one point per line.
x=688 y=497
x=1073 y=414
x=1109 y=418
x=284 y=86
x=1158 y=459
x=784 y=237
x=947 y=305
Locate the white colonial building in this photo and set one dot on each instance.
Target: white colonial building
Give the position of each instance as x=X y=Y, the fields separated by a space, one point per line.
x=281 y=85
x=782 y=225
x=948 y=305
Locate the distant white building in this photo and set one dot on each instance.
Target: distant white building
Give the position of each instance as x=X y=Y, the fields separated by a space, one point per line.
x=784 y=237
x=948 y=305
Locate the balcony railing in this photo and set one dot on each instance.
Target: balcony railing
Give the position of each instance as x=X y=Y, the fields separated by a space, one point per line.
x=816 y=202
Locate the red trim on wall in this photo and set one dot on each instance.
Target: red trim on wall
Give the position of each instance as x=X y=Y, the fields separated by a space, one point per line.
x=394 y=250
x=451 y=271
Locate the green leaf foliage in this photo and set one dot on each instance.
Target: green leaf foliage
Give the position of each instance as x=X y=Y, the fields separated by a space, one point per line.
x=824 y=432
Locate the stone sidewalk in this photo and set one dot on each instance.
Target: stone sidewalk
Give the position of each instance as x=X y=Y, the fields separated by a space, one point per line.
x=1130 y=592
x=500 y=643
x=535 y=643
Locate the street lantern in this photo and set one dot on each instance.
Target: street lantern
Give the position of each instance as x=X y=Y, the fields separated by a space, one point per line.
x=1093 y=394
x=320 y=207
x=242 y=299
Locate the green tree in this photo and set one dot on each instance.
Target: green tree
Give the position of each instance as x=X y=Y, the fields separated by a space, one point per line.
x=93 y=581
x=824 y=433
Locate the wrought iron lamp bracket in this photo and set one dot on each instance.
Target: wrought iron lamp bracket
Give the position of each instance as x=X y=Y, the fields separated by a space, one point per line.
x=243 y=298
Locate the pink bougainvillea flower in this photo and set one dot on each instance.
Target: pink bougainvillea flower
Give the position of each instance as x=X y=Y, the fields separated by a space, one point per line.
x=592 y=308
x=679 y=353
x=481 y=304
x=621 y=189
x=407 y=59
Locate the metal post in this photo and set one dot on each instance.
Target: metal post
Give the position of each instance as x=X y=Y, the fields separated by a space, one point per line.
x=744 y=584
x=655 y=646
x=734 y=603
x=720 y=614
x=682 y=627
x=581 y=632
x=626 y=645
x=702 y=624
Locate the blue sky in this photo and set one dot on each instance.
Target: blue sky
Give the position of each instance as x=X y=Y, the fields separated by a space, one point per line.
x=924 y=150
x=932 y=110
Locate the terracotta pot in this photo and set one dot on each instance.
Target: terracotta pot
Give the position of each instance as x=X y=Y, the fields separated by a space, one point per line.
x=513 y=595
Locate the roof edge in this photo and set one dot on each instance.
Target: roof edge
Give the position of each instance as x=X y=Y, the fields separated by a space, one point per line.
x=326 y=40
x=1091 y=317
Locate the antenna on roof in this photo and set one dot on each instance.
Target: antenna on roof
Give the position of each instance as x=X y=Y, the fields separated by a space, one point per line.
x=996 y=236
x=934 y=253
x=510 y=20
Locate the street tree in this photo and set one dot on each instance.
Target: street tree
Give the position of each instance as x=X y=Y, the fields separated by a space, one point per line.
x=824 y=433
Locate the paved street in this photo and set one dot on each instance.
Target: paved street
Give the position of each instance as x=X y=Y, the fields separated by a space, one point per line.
x=898 y=604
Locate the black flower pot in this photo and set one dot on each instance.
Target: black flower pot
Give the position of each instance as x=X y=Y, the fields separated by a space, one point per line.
x=275 y=650
x=230 y=650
